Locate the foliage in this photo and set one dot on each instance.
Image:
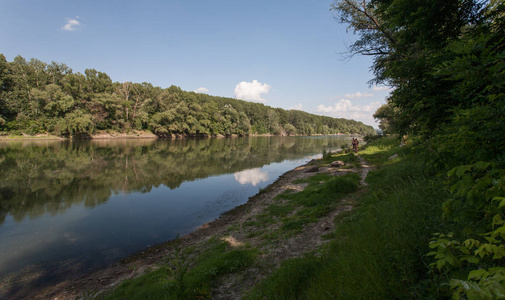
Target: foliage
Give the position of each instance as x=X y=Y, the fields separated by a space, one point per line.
x=370 y=138
x=437 y=56
x=478 y=249
x=178 y=267
x=76 y=124
x=36 y=97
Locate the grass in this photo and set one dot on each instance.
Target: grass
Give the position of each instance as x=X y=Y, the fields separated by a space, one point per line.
x=349 y=158
x=192 y=280
x=295 y=209
x=292 y=277
x=377 y=251
x=324 y=189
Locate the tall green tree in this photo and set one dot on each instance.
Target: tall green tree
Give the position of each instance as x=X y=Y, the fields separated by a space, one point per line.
x=408 y=40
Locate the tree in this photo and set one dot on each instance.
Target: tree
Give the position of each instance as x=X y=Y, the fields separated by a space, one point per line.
x=57 y=71
x=53 y=101
x=273 y=122
x=290 y=129
x=408 y=39
x=98 y=82
x=5 y=87
x=390 y=119
x=39 y=78
x=363 y=18
x=77 y=123
x=124 y=91
x=140 y=93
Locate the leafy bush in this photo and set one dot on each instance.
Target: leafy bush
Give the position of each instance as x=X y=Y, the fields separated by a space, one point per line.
x=478 y=248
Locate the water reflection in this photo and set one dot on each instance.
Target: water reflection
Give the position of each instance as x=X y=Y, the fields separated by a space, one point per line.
x=51 y=176
x=252 y=176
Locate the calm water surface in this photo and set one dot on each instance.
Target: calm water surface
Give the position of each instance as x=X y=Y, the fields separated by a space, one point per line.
x=67 y=208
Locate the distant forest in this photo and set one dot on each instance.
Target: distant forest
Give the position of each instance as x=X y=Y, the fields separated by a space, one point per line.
x=36 y=97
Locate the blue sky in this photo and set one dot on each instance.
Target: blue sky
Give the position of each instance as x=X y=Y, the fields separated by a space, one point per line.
x=281 y=53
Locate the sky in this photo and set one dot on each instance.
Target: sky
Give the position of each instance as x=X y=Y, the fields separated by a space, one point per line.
x=286 y=54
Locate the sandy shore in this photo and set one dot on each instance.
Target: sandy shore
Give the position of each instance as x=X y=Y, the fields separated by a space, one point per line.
x=100 y=135
x=117 y=135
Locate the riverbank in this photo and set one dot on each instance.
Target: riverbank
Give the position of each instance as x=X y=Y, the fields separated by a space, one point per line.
x=99 y=135
x=257 y=234
x=134 y=134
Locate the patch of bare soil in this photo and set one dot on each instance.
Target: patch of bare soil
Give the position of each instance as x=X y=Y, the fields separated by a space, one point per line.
x=228 y=227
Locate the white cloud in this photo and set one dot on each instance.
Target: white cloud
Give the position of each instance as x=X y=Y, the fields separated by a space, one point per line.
x=345 y=109
x=358 y=95
x=381 y=89
x=251 y=91
x=72 y=24
x=253 y=176
x=201 y=90
x=298 y=106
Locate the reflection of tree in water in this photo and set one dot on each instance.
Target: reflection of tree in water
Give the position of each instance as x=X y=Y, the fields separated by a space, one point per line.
x=51 y=176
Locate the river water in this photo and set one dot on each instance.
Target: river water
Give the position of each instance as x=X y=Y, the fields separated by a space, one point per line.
x=70 y=207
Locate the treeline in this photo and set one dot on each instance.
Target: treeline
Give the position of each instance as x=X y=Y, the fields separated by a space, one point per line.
x=36 y=97
x=446 y=63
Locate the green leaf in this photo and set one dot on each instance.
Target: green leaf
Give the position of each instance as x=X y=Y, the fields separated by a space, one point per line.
x=477 y=274
x=464 y=250
x=451 y=172
x=472 y=259
x=481 y=165
x=462 y=169
x=502 y=201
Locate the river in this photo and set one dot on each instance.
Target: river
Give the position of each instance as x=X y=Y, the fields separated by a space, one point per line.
x=70 y=207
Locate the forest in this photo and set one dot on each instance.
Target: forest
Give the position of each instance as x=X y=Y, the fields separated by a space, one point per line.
x=36 y=97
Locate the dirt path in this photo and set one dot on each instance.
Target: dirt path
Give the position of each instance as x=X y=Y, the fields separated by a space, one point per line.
x=229 y=227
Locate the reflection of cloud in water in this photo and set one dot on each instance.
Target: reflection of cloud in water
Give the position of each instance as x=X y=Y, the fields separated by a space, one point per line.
x=252 y=176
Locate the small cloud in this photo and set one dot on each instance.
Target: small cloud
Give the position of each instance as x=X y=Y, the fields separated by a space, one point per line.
x=343 y=105
x=201 y=90
x=251 y=91
x=345 y=109
x=252 y=176
x=381 y=89
x=72 y=24
x=358 y=95
x=298 y=106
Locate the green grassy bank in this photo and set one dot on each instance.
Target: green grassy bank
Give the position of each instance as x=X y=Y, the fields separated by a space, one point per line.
x=424 y=229
x=401 y=240
x=378 y=250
